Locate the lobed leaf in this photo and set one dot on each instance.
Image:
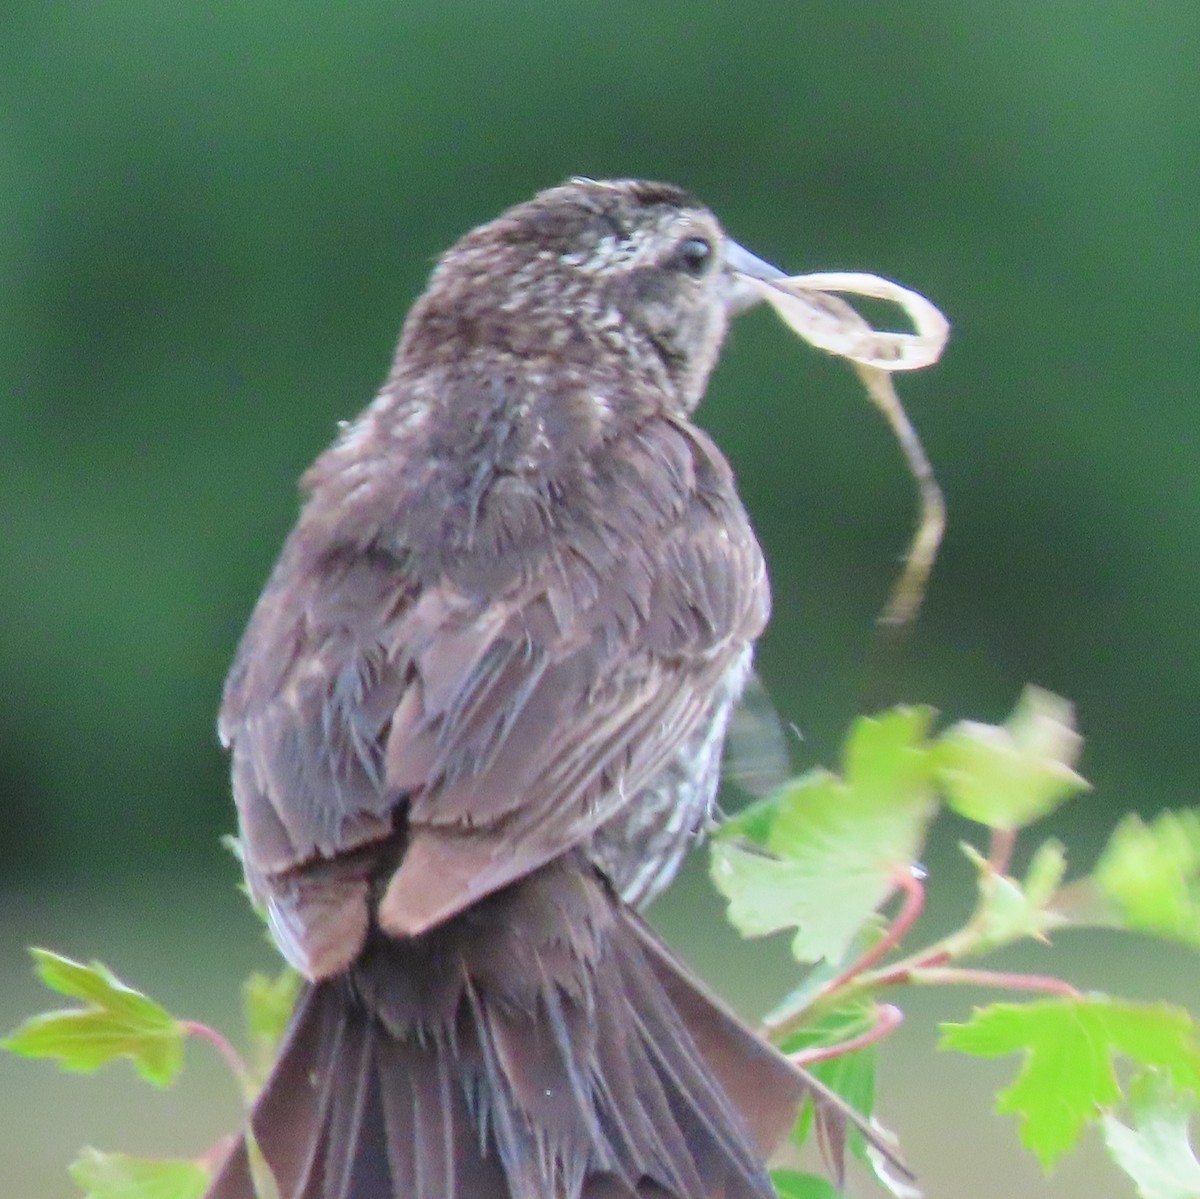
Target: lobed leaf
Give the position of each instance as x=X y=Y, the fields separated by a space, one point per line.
x=116 y=1021
x=823 y=854
x=1156 y=1152
x=850 y=1075
x=1068 y=1078
x=1152 y=873
x=267 y=1004
x=1007 y=776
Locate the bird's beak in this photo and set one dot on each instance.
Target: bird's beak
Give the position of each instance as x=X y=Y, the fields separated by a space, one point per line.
x=746 y=266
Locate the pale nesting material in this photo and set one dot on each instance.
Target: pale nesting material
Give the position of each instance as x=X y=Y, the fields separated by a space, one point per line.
x=806 y=304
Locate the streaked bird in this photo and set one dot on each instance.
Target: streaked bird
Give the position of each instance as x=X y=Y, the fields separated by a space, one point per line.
x=476 y=721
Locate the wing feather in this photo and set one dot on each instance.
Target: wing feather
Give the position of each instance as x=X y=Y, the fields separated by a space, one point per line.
x=504 y=725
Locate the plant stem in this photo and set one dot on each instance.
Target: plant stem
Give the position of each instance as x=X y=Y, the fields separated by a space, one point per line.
x=1003 y=979
x=928 y=966
x=906 y=917
x=233 y=1059
x=1000 y=852
x=847 y=983
x=887 y=1018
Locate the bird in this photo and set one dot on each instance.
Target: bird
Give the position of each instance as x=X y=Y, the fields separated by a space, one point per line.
x=475 y=723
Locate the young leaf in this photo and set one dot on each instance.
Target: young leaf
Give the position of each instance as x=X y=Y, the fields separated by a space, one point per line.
x=115 y=1021
x=118 y=1176
x=1155 y=1153
x=267 y=1004
x=824 y=853
x=1046 y=870
x=1067 y=1076
x=1152 y=872
x=1010 y=910
x=1007 y=776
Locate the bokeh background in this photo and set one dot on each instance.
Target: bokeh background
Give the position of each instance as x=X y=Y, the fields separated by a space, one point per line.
x=214 y=217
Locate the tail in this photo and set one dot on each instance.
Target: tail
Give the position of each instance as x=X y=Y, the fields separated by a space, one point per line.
x=542 y=1045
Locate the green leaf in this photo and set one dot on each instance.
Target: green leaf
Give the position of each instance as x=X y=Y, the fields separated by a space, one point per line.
x=1046 y=870
x=1152 y=873
x=1067 y=1077
x=115 y=1021
x=267 y=1004
x=1009 y=910
x=850 y=1075
x=791 y=1184
x=118 y=1176
x=823 y=853
x=1156 y=1152
x=1007 y=776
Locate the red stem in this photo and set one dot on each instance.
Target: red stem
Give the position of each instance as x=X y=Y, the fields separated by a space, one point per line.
x=887 y=1018
x=906 y=917
x=233 y=1059
x=992 y=978
x=1003 y=843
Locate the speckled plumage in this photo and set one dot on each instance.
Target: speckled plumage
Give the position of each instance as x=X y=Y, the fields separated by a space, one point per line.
x=487 y=686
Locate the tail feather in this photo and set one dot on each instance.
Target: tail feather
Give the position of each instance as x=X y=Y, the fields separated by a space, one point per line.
x=434 y=1145
x=541 y=1044
x=355 y=1160
x=714 y=1130
x=762 y=1084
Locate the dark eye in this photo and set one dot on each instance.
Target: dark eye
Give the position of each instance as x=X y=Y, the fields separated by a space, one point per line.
x=693 y=256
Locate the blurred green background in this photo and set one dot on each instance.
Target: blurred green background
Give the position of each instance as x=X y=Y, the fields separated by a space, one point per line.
x=214 y=217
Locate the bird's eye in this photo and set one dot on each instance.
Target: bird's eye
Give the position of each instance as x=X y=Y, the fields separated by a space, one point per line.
x=693 y=256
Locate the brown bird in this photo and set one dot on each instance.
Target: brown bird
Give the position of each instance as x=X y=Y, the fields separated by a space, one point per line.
x=476 y=721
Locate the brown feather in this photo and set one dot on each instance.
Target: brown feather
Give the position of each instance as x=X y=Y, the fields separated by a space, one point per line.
x=579 y=1075
x=481 y=699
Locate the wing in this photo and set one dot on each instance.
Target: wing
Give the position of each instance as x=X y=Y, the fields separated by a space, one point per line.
x=504 y=724
x=306 y=710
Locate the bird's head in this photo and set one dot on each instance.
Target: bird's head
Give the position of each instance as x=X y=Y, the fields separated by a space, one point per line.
x=636 y=276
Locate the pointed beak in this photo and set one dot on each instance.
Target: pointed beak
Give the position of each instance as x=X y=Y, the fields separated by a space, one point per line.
x=746 y=266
